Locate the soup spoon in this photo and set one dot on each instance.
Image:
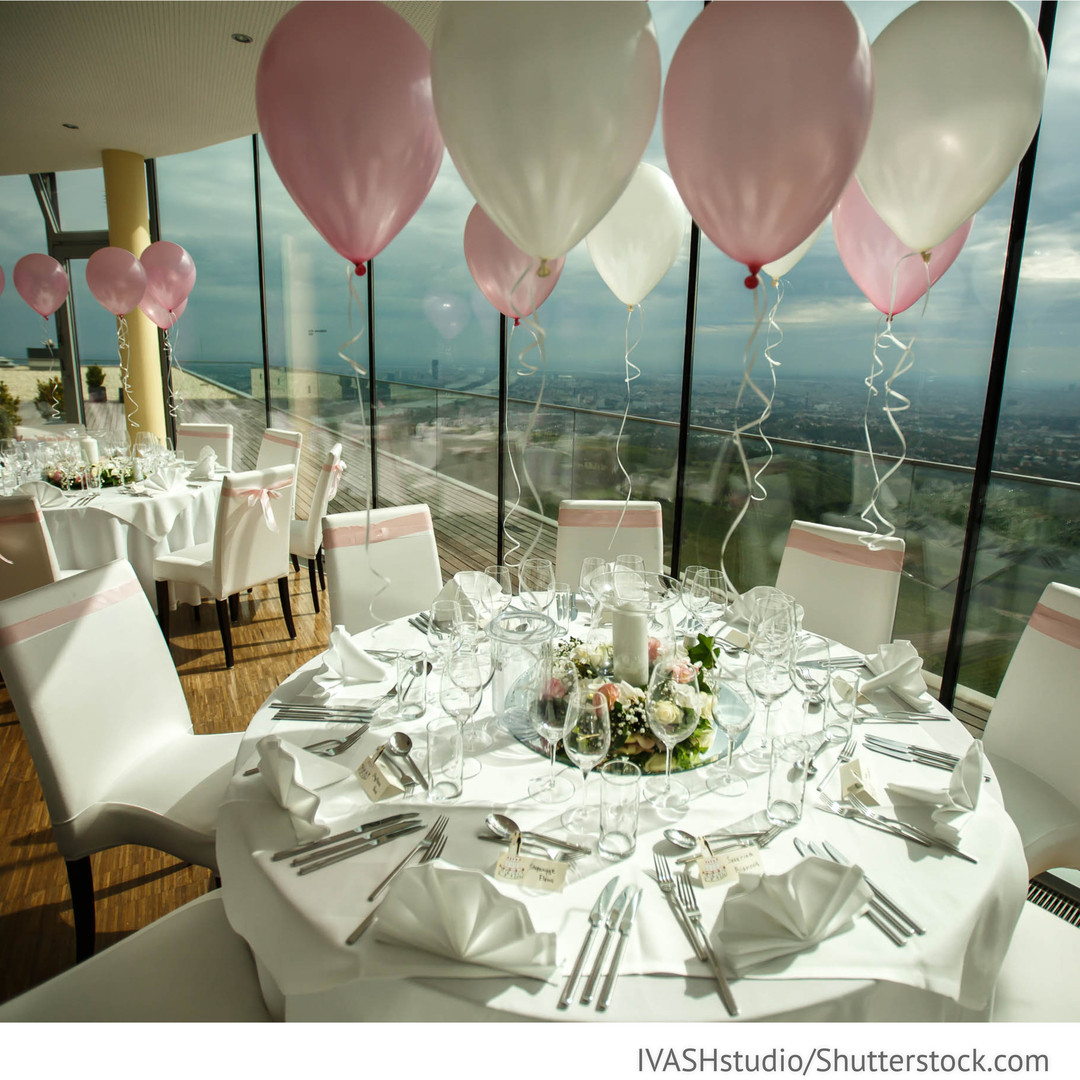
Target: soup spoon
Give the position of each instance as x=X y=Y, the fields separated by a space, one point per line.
x=506 y=828
x=401 y=744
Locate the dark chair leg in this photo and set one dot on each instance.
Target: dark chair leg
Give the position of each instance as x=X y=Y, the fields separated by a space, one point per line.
x=311 y=580
x=295 y=563
x=286 y=603
x=81 y=882
x=162 y=589
x=319 y=564
x=234 y=607
x=226 y=630
x=197 y=610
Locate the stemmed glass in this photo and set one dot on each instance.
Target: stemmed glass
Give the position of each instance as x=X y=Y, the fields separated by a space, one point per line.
x=444 y=619
x=768 y=679
x=553 y=690
x=501 y=593
x=586 y=740
x=536 y=584
x=695 y=595
x=732 y=713
x=591 y=564
x=671 y=713
x=810 y=671
x=461 y=687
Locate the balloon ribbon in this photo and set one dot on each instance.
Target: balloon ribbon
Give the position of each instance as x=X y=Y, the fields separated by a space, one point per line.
x=628 y=378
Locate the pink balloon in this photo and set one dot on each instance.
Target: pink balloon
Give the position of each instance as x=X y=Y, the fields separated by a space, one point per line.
x=160 y=316
x=117 y=279
x=42 y=282
x=497 y=266
x=170 y=274
x=766 y=110
x=343 y=94
x=874 y=256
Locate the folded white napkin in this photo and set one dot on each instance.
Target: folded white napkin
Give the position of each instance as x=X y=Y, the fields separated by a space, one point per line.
x=461 y=915
x=452 y=590
x=203 y=469
x=171 y=478
x=345 y=663
x=295 y=777
x=772 y=915
x=46 y=494
x=742 y=607
x=953 y=804
x=899 y=667
x=477 y=590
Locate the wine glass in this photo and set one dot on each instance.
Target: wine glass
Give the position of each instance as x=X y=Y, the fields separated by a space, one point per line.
x=499 y=594
x=444 y=618
x=695 y=595
x=768 y=678
x=671 y=710
x=771 y=630
x=536 y=584
x=461 y=687
x=810 y=671
x=553 y=689
x=732 y=713
x=586 y=740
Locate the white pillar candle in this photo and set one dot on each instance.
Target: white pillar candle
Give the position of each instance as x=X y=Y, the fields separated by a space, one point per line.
x=89 y=450
x=630 y=646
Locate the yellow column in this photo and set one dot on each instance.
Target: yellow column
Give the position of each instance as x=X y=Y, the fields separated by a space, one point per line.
x=129 y=228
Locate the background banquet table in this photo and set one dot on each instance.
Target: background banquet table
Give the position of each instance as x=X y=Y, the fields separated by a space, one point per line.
x=137 y=528
x=296 y=926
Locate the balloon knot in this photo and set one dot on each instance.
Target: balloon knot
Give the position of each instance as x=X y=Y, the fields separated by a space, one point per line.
x=925 y=256
x=751 y=280
x=544 y=270
x=361 y=269
x=517 y=321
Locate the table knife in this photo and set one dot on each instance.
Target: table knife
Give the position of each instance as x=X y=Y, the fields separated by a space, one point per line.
x=610 y=927
x=372 y=834
x=879 y=914
x=624 y=933
x=311 y=845
x=356 y=849
x=843 y=860
x=596 y=917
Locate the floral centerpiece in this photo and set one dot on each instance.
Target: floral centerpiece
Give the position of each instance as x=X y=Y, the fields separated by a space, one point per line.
x=68 y=477
x=631 y=736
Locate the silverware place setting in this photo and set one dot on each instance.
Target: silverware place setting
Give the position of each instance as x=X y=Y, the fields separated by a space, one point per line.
x=354 y=833
x=923 y=755
x=374 y=838
x=429 y=840
x=327 y=747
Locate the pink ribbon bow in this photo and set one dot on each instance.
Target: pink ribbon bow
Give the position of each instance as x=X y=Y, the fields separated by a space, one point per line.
x=335 y=479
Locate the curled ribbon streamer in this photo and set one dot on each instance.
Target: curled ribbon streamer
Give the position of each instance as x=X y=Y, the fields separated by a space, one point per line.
x=358 y=373
x=770 y=344
x=507 y=535
x=123 y=351
x=628 y=378
x=737 y=434
x=176 y=396
x=5 y=559
x=47 y=342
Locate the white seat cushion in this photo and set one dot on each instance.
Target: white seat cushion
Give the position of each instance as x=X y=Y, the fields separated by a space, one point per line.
x=1040 y=977
x=191 y=565
x=188 y=966
x=300 y=540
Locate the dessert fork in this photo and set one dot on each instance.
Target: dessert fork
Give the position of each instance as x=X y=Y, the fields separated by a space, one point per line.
x=689 y=903
x=667 y=887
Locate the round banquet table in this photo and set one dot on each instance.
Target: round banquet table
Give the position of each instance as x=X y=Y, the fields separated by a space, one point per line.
x=296 y=926
x=138 y=528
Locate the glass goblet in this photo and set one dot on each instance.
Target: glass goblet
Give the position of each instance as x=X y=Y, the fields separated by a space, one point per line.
x=461 y=688
x=732 y=712
x=591 y=564
x=586 y=740
x=536 y=584
x=810 y=672
x=695 y=596
x=552 y=691
x=444 y=617
x=670 y=708
x=768 y=679
x=499 y=592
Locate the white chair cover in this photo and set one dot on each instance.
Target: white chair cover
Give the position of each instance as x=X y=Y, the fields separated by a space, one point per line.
x=27 y=559
x=189 y=965
x=251 y=536
x=305 y=537
x=587 y=527
x=847 y=588
x=1032 y=736
x=281 y=447
x=106 y=721
x=400 y=546
x=191 y=438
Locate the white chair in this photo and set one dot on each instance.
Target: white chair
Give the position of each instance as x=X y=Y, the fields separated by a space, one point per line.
x=1040 y=976
x=587 y=527
x=27 y=559
x=400 y=546
x=1032 y=736
x=191 y=438
x=188 y=966
x=306 y=537
x=107 y=724
x=847 y=588
x=250 y=546
x=281 y=447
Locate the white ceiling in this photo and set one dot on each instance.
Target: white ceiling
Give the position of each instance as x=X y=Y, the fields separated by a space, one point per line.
x=154 y=78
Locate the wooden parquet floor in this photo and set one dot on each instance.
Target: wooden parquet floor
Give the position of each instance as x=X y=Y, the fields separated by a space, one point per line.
x=134 y=885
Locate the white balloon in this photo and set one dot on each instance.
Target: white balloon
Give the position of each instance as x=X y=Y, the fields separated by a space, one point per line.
x=958 y=96
x=641 y=236
x=546 y=110
x=779 y=267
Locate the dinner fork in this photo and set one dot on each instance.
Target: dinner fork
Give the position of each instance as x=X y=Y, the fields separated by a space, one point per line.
x=327 y=747
x=430 y=837
x=693 y=912
x=927 y=838
x=874 y=821
x=667 y=887
x=846 y=754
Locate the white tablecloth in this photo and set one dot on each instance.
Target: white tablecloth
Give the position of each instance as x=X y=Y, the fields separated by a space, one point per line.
x=136 y=528
x=296 y=926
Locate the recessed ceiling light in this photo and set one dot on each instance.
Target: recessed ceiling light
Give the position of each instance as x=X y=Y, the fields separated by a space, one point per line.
x=71 y=127
x=244 y=39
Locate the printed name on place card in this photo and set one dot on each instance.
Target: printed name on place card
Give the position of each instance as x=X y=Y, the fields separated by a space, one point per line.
x=376 y=784
x=548 y=875
x=726 y=867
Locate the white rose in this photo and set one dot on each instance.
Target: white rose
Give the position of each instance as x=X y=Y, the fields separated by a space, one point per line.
x=667 y=713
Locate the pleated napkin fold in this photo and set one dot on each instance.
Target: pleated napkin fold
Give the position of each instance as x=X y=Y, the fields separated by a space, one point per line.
x=345 y=663
x=772 y=915
x=952 y=805
x=171 y=478
x=452 y=590
x=204 y=468
x=899 y=667
x=295 y=777
x=46 y=494
x=459 y=914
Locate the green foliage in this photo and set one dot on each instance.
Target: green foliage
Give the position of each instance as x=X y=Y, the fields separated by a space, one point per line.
x=51 y=392
x=701 y=652
x=95 y=376
x=9 y=412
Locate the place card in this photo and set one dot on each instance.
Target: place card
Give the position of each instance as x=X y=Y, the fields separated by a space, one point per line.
x=377 y=784
x=857 y=778
x=733 y=636
x=725 y=868
x=531 y=872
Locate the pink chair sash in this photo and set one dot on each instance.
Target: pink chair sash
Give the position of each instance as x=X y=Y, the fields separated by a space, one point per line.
x=636 y=517
x=61 y=616
x=335 y=471
x=1056 y=624
x=279 y=439
x=393 y=529
x=262 y=496
x=857 y=554
x=205 y=432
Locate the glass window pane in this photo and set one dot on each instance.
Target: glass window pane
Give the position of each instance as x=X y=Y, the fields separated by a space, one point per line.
x=82 y=200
